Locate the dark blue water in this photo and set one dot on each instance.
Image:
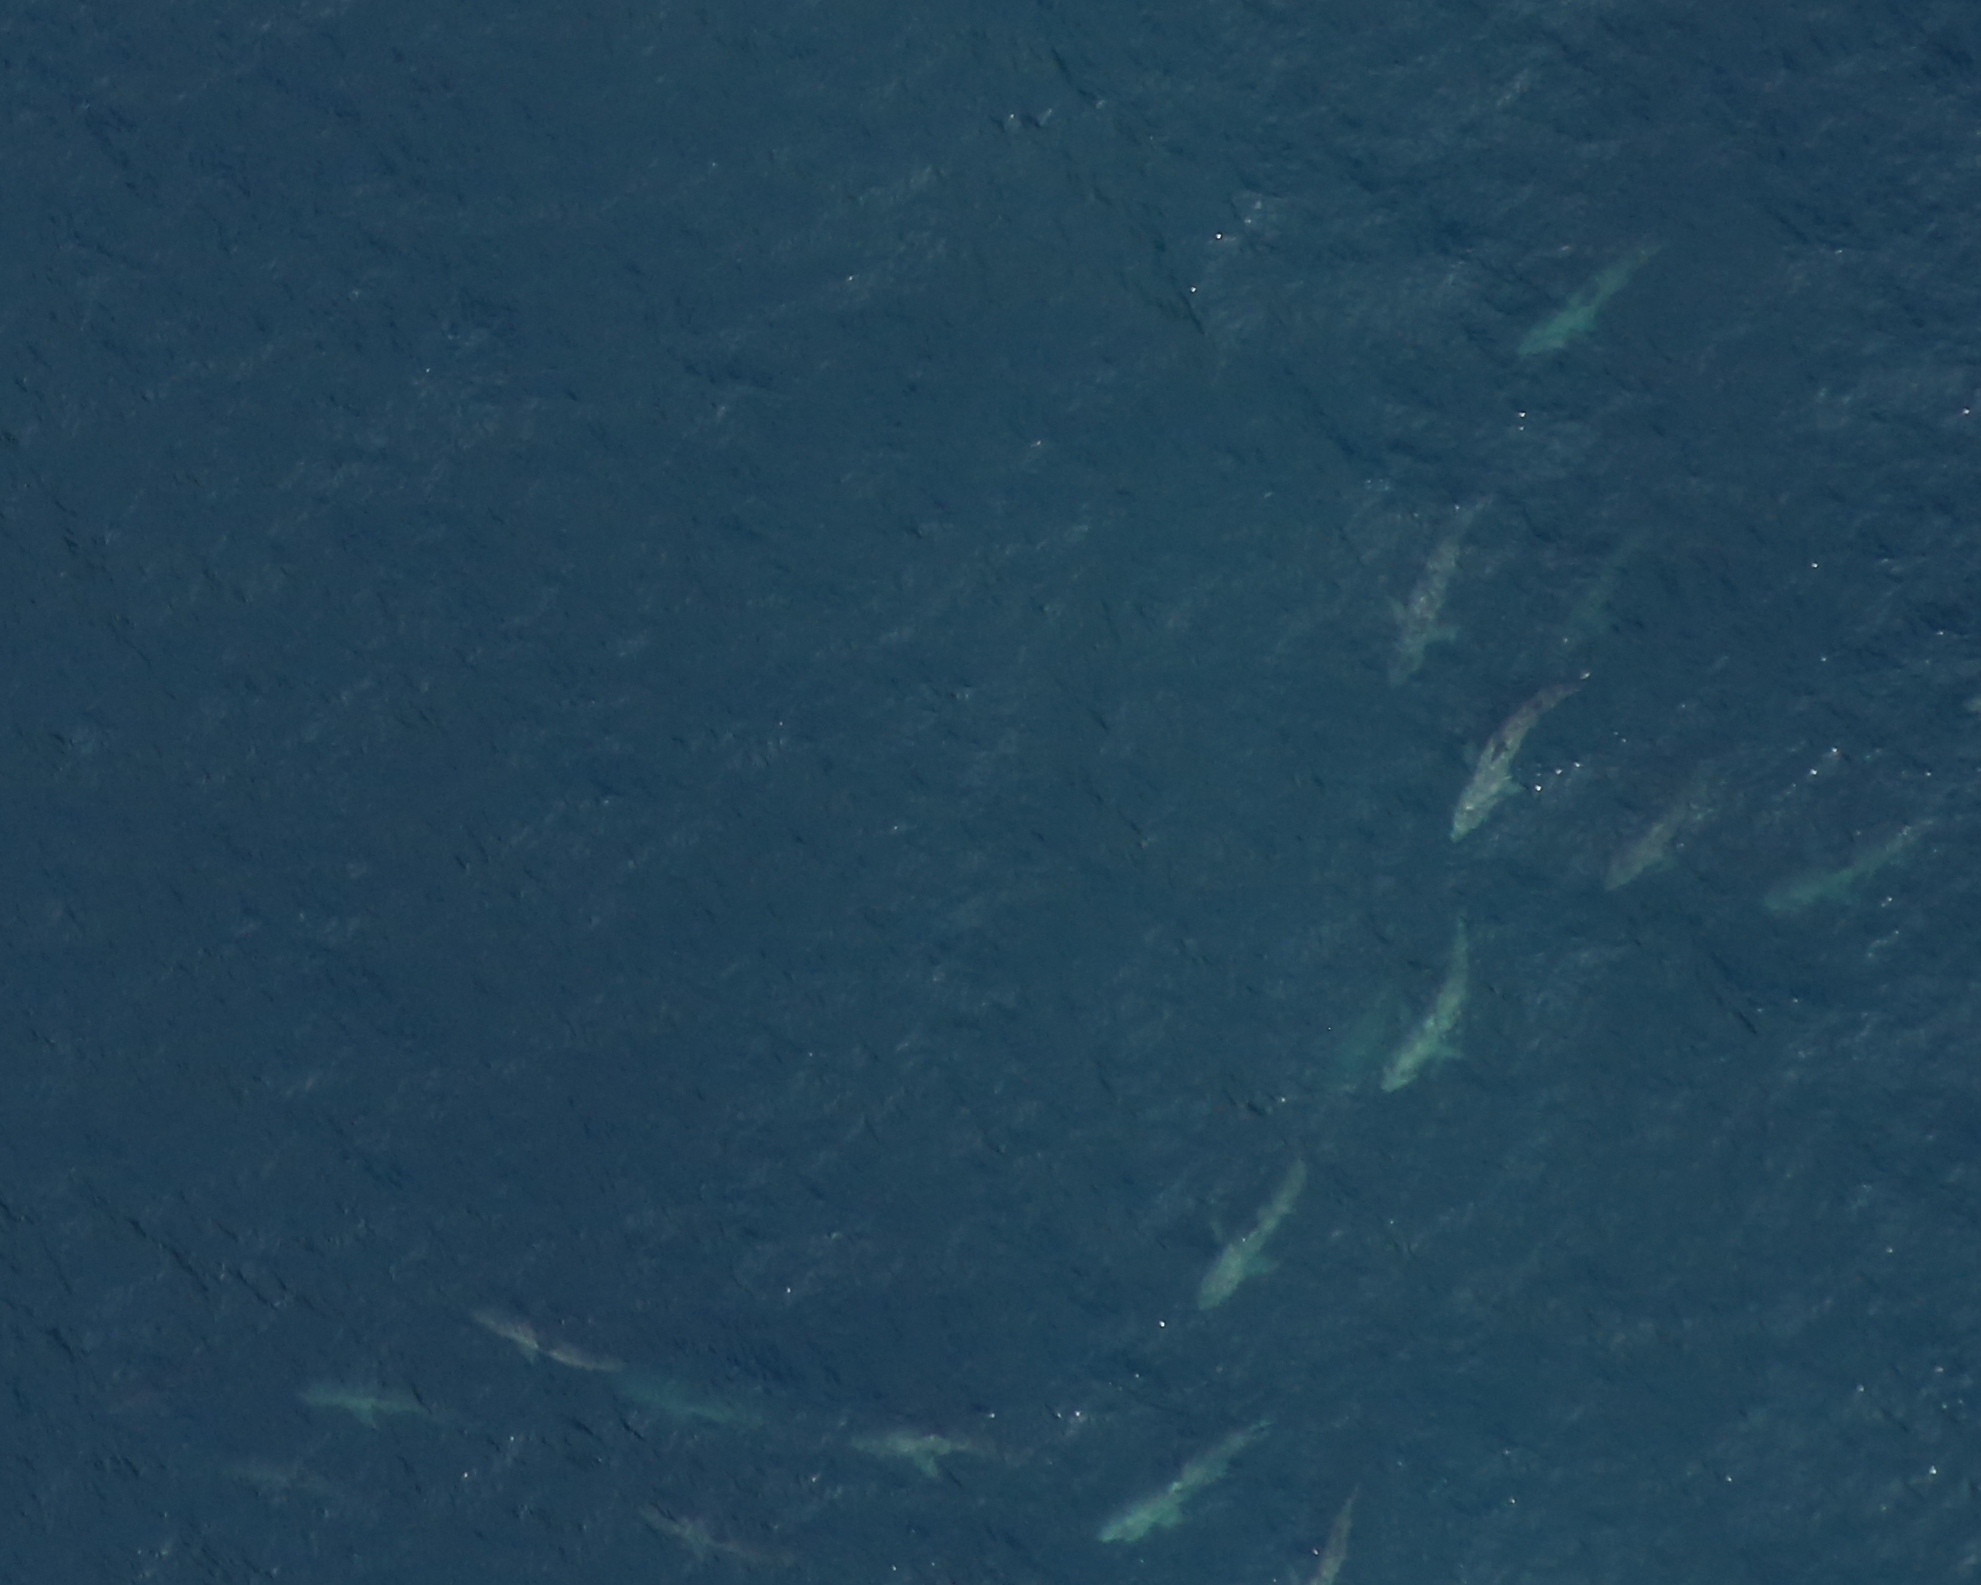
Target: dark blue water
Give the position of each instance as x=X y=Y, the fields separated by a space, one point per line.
x=719 y=682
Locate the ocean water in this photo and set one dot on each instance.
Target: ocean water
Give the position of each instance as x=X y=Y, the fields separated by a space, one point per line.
x=726 y=727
